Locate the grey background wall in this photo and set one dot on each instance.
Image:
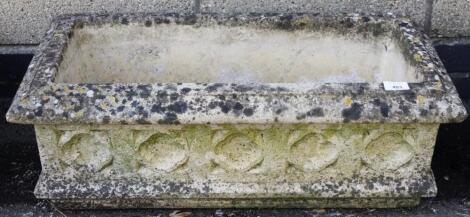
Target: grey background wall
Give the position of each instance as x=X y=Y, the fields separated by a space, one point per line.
x=451 y=18
x=25 y=21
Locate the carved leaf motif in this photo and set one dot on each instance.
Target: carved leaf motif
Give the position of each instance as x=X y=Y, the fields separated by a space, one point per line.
x=163 y=152
x=237 y=152
x=90 y=149
x=311 y=152
x=389 y=151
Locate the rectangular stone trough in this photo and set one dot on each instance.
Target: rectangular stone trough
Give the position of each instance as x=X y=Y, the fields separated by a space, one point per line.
x=148 y=110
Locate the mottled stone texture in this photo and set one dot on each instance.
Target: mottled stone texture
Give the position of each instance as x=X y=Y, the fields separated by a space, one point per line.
x=26 y=21
x=124 y=144
x=42 y=100
x=414 y=9
x=348 y=165
x=451 y=18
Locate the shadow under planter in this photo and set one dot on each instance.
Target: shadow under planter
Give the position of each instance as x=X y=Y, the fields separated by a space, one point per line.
x=147 y=110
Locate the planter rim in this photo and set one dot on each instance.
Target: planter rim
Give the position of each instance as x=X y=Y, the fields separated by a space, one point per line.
x=40 y=100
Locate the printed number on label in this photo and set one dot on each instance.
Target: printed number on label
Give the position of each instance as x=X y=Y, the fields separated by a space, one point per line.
x=393 y=85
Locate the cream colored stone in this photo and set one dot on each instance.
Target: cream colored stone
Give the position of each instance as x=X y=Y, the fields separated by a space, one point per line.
x=303 y=142
x=230 y=54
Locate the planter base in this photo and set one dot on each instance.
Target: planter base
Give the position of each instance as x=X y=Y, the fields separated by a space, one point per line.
x=239 y=203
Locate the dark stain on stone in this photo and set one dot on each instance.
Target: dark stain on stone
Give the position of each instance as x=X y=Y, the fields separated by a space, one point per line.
x=384 y=108
x=224 y=107
x=144 y=91
x=348 y=22
x=185 y=90
x=30 y=116
x=248 y=112
x=213 y=87
x=242 y=88
x=212 y=105
x=157 y=108
x=120 y=108
x=238 y=106
x=135 y=104
x=142 y=121
x=160 y=20
x=141 y=111
x=280 y=109
x=174 y=96
x=170 y=118
x=38 y=111
x=352 y=113
x=100 y=96
x=162 y=94
x=77 y=108
x=410 y=97
x=403 y=24
x=405 y=109
x=178 y=107
x=106 y=119
x=423 y=112
x=124 y=21
x=301 y=117
x=316 y=112
x=130 y=94
x=432 y=105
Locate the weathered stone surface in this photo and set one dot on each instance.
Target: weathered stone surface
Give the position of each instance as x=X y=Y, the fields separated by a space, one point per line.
x=113 y=141
x=432 y=97
x=26 y=21
x=450 y=18
x=246 y=162
x=413 y=9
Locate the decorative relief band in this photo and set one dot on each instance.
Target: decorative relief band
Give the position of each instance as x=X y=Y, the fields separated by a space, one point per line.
x=389 y=151
x=91 y=149
x=234 y=149
x=311 y=152
x=161 y=151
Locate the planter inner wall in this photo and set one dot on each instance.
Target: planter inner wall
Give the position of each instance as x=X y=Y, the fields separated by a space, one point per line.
x=211 y=53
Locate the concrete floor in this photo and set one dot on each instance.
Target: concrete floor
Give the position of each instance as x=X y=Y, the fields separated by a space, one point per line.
x=20 y=166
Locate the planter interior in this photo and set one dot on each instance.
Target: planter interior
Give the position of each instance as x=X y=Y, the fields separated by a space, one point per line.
x=173 y=53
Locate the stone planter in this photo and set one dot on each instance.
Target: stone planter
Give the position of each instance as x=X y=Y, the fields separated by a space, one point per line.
x=243 y=111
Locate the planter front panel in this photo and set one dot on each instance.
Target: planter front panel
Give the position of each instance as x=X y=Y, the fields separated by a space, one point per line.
x=231 y=162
